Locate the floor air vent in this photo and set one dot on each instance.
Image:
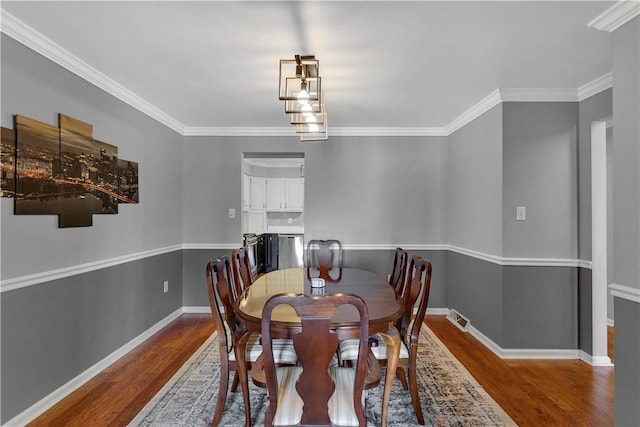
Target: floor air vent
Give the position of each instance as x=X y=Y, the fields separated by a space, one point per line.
x=459 y=320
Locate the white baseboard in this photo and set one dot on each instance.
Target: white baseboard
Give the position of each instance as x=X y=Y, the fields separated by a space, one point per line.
x=437 y=311
x=534 y=353
x=594 y=361
x=200 y=309
x=56 y=396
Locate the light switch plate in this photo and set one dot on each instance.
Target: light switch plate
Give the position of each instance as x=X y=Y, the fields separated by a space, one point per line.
x=232 y=213
x=521 y=213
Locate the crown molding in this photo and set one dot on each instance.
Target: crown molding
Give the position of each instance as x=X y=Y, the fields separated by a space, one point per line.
x=239 y=131
x=616 y=16
x=596 y=86
x=335 y=131
x=486 y=104
x=538 y=95
x=388 y=131
x=19 y=31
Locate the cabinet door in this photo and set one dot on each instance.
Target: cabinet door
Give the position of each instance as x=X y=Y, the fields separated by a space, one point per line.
x=294 y=194
x=275 y=194
x=258 y=193
x=256 y=222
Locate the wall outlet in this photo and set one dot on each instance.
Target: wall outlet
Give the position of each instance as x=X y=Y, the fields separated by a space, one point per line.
x=232 y=213
x=166 y=286
x=521 y=213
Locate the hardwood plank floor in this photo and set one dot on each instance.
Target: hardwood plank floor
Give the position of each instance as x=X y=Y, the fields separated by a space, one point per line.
x=116 y=395
x=532 y=392
x=535 y=392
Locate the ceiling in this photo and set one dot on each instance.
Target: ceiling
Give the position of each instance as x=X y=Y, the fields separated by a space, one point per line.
x=209 y=65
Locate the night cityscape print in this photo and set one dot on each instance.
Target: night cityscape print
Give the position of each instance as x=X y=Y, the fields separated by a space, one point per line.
x=64 y=171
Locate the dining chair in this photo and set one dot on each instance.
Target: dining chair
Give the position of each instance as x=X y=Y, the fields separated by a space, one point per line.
x=231 y=334
x=324 y=253
x=416 y=293
x=324 y=259
x=399 y=270
x=305 y=394
x=241 y=266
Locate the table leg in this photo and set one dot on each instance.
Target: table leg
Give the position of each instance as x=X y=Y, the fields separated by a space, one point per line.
x=392 y=339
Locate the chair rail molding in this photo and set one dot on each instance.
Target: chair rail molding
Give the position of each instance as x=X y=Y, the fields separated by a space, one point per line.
x=625 y=292
x=60 y=273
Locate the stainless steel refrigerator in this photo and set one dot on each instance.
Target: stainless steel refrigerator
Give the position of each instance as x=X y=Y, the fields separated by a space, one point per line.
x=290 y=251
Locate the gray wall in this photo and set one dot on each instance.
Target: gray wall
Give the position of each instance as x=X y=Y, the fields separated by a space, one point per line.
x=627 y=360
x=53 y=331
x=626 y=155
x=626 y=217
x=475 y=290
x=517 y=154
x=396 y=183
x=194 y=261
x=540 y=172
x=474 y=183
x=37 y=88
x=540 y=307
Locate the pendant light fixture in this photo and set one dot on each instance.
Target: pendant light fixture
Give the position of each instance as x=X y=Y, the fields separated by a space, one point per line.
x=300 y=87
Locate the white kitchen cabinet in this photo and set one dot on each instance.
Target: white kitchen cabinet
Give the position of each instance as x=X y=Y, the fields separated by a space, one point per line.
x=285 y=194
x=294 y=194
x=258 y=196
x=257 y=222
x=275 y=194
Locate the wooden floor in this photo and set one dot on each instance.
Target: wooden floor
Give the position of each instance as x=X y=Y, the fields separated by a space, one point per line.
x=533 y=393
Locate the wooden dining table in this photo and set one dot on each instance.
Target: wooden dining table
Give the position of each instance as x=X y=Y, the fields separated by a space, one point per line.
x=383 y=305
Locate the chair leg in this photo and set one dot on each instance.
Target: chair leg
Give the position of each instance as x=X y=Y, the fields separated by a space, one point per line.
x=400 y=374
x=242 y=376
x=236 y=381
x=222 y=392
x=413 y=389
x=247 y=403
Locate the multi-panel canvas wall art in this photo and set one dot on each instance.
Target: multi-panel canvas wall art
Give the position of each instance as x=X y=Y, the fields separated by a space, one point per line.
x=63 y=170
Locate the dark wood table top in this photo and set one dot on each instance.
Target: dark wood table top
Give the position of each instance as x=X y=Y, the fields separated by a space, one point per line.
x=382 y=304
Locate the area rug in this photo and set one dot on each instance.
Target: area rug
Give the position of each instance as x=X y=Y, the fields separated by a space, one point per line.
x=449 y=394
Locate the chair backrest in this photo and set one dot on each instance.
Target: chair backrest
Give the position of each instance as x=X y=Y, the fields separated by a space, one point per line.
x=417 y=291
x=324 y=254
x=399 y=271
x=221 y=301
x=315 y=345
x=241 y=270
